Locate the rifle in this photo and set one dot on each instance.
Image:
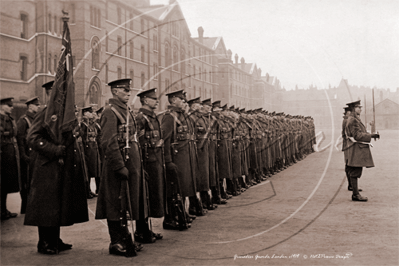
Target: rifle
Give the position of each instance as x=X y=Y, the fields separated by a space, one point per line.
x=125 y=196
x=373 y=130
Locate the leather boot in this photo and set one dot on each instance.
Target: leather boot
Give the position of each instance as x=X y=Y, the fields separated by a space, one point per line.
x=356 y=195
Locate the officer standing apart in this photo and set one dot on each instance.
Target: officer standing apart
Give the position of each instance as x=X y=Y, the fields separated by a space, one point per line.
x=9 y=156
x=56 y=195
x=151 y=142
x=122 y=170
x=357 y=148
x=23 y=124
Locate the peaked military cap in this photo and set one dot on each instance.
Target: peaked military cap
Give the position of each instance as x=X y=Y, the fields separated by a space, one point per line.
x=237 y=109
x=151 y=93
x=34 y=100
x=232 y=108
x=48 y=85
x=185 y=95
x=179 y=93
x=224 y=107
x=347 y=109
x=9 y=101
x=354 y=104
x=242 y=110
x=87 y=109
x=120 y=83
x=99 y=111
x=195 y=100
x=216 y=104
x=207 y=102
x=273 y=113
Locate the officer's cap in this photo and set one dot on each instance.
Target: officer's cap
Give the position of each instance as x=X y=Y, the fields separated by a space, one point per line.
x=120 y=83
x=237 y=109
x=87 y=109
x=347 y=109
x=9 y=101
x=148 y=94
x=242 y=110
x=99 y=111
x=216 y=104
x=207 y=102
x=273 y=113
x=48 y=85
x=195 y=100
x=354 y=104
x=34 y=100
x=179 y=94
x=224 y=107
x=232 y=108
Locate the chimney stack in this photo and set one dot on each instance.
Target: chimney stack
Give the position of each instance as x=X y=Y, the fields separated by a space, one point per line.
x=201 y=35
x=236 y=59
x=242 y=63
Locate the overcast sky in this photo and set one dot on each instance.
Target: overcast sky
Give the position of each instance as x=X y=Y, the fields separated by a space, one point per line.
x=305 y=42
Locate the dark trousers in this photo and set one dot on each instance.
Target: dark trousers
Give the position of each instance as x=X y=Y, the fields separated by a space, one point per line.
x=49 y=234
x=354 y=173
x=117 y=232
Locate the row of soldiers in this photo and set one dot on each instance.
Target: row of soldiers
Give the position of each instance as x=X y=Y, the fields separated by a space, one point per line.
x=177 y=164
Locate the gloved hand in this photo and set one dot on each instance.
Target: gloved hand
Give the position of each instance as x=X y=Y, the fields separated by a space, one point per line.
x=171 y=167
x=122 y=173
x=375 y=136
x=60 y=151
x=76 y=131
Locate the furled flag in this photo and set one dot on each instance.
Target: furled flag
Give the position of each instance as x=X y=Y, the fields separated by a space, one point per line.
x=60 y=112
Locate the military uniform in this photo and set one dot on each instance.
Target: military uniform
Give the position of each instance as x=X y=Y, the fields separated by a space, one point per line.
x=151 y=142
x=10 y=174
x=122 y=176
x=23 y=125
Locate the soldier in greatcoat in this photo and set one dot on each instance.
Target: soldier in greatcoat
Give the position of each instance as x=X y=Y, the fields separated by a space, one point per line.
x=347 y=113
x=9 y=156
x=151 y=142
x=358 y=148
x=91 y=150
x=122 y=169
x=180 y=157
x=57 y=194
x=202 y=181
x=23 y=125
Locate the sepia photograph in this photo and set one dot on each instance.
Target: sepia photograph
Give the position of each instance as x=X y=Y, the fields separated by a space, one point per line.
x=199 y=132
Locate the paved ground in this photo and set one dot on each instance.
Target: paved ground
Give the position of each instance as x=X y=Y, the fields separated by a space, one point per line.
x=301 y=216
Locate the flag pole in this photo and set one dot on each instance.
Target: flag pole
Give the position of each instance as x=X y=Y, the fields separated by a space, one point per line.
x=365 y=112
x=373 y=126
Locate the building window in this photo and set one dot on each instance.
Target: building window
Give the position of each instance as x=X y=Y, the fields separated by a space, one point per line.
x=199 y=72
x=73 y=17
x=131 y=45
x=23 y=67
x=24 y=26
x=96 y=48
x=194 y=74
x=142 y=26
x=119 y=45
x=131 y=74
x=210 y=77
x=119 y=73
x=155 y=42
x=94 y=91
x=155 y=71
x=106 y=41
x=167 y=85
x=142 y=79
x=119 y=14
x=49 y=63
x=49 y=22
x=175 y=59
x=61 y=26
x=183 y=61
x=55 y=63
x=131 y=21
x=166 y=54
x=142 y=53
x=55 y=24
x=98 y=18
x=106 y=74
x=195 y=92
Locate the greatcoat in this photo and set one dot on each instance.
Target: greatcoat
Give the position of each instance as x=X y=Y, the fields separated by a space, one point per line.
x=114 y=122
x=57 y=195
x=357 y=146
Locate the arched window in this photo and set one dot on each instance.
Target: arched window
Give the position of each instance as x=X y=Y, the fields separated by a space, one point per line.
x=175 y=59
x=95 y=52
x=94 y=93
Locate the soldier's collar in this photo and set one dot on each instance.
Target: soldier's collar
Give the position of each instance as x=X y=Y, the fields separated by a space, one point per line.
x=118 y=103
x=147 y=112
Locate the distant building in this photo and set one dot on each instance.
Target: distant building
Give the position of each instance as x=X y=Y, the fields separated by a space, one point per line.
x=386 y=115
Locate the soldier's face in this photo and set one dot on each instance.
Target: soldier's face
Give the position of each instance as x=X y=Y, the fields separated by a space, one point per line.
x=34 y=108
x=206 y=108
x=152 y=103
x=123 y=94
x=6 y=108
x=358 y=110
x=88 y=115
